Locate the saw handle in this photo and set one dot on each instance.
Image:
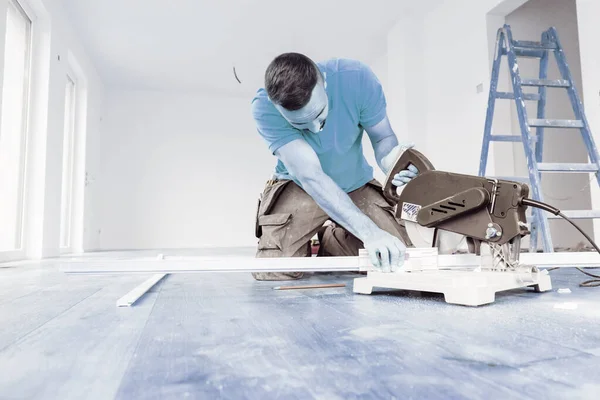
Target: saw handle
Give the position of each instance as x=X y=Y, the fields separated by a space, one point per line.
x=410 y=156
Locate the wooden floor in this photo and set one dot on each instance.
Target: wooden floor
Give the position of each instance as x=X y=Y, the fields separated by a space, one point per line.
x=213 y=336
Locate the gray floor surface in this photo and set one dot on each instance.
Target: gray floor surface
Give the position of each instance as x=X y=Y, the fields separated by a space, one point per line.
x=226 y=336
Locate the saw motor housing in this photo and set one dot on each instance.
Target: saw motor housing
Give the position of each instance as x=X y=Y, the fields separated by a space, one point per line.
x=480 y=208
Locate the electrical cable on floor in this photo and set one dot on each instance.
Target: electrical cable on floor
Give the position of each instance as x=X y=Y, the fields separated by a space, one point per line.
x=553 y=210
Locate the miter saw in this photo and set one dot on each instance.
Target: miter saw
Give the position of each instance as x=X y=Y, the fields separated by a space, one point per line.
x=448 y=214
x=457 y=213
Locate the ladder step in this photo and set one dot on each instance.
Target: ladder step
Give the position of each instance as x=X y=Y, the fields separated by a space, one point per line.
x=546 y=82
x=556 y=123
x=505 y=138
x=526 y=44
x=532 y=53
x=565 y=167
x=510 y=138
x=511 y=96
x=577 y=214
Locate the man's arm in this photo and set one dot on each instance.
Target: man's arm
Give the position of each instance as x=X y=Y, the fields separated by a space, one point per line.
x=387 y=150
x=303 y=163
x=384 y=140
x=373 y=117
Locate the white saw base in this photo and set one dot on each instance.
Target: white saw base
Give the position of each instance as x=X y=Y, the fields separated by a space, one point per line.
x=467 y=288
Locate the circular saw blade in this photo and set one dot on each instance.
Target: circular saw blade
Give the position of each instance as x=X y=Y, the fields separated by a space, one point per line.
x=448 y=242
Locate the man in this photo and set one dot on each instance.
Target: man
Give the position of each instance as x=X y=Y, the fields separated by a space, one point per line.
x=312 y=116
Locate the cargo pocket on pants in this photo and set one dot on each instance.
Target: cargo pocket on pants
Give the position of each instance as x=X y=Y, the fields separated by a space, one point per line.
x=273 y=229
x=267 y=201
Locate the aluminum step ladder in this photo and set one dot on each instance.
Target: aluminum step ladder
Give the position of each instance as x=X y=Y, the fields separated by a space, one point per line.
x=533 y=144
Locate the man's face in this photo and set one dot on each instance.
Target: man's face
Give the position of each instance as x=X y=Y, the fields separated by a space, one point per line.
x=313 y=115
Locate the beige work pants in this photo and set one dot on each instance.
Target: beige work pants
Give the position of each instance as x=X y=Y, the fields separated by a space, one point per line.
x=288 y=218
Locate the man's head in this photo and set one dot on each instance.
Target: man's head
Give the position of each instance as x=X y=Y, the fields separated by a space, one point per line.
x=296 y=87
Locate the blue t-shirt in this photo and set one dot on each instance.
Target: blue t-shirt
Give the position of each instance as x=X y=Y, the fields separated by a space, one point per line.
x=356 y=101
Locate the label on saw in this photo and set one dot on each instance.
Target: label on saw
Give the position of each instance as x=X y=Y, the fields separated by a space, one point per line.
x=410 y=211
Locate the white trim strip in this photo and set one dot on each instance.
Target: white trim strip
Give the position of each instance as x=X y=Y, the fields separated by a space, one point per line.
x=209 y=264
x=130 y=298
x=190 y=264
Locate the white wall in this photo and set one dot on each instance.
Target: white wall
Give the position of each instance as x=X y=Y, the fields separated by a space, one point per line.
x=589 y=32
x=380 y=68
x=53 y=38
x=438 y=60
x=179 y=170
x=444 y=56
x=406 y=94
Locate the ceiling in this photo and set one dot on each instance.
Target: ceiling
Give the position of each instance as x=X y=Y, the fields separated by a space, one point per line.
x=193 y=45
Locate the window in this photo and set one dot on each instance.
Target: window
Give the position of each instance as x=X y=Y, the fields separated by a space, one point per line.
x=13 y=126
x=66 y=218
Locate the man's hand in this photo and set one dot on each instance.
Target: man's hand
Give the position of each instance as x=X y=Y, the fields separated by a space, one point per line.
x=405 y=176
x=387 y=162
x=385 y=250
x=388 y=150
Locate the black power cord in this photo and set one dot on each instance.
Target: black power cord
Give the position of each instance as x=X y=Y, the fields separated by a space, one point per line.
x=553 y=210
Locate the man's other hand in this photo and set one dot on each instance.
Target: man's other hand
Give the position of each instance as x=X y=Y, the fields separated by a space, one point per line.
x=405 y=176
x=385 y=251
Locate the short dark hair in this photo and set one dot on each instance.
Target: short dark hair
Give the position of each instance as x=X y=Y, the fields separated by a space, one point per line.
x=290 y=80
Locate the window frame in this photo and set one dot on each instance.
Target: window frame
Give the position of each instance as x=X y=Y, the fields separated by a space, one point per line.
x=20 y=235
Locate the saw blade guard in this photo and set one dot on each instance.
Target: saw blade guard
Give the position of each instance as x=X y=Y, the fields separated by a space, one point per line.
x=420 y=236
x=408 y=157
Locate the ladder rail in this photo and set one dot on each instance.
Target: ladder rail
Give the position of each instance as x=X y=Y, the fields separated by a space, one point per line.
x=541 y=109
x=534 y=174
x=539 y=145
